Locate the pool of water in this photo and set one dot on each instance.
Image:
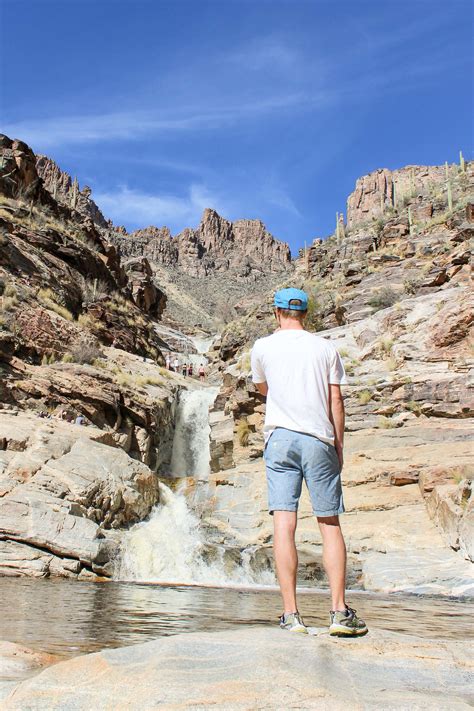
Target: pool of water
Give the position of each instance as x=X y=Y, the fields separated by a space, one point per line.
x=70 y=618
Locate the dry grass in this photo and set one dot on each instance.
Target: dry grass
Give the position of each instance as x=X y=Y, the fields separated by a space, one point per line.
x=385 y=423
x=243 y=432
x=48 y=299
x=364 y=396
x=8 y=303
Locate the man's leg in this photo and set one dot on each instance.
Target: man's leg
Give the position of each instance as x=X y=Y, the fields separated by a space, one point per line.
x=286 y=557
x=334 y=559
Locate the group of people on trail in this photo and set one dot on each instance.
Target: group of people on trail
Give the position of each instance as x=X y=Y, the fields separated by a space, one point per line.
x=301 y=374
x=186 y=369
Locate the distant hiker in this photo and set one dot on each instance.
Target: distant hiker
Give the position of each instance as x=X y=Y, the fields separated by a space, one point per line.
x=80 y=420
x=168 y=362
x=176 y=365
x=202 y=372
x=184 y=369
x=190 y=370
x=301 y=375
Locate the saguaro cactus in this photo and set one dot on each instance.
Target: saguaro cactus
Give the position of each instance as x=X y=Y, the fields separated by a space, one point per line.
x=446 y=170
x=410 y=220
x=462 y=162
x=450 y=196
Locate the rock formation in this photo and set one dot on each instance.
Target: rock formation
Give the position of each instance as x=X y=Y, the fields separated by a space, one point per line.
x=66 y=190
x=394 y=296
x=244 y=247
x=246 y=668
x=79 y=336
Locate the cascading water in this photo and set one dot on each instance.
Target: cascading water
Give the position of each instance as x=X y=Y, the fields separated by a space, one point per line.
x=170 y=546
x=190 y=455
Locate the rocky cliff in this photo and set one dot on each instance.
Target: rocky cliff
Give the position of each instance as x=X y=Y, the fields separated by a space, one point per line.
x=394 y=296
x=78 y=337
x=66 y=190
x=77 y=340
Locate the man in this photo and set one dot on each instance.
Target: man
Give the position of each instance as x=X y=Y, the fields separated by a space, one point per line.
x=301 y=373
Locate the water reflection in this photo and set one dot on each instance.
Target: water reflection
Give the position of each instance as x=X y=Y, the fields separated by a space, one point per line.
x=70 y=617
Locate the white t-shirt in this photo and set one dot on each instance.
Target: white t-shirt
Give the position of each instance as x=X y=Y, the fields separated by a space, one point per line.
x=298 y=367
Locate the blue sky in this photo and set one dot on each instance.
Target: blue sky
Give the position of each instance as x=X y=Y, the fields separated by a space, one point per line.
x=258 y=108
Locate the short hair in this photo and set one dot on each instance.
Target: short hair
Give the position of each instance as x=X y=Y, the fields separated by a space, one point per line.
x=292 y=313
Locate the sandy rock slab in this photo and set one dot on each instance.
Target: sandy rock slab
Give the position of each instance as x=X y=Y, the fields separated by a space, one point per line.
x=257 y=668
x=18 y=662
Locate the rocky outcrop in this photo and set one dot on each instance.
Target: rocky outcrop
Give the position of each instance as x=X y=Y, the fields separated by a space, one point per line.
x=60 y=280
x=381 y=670
x=66 y=190
x=61 y=490
x=424 y=188
x=145 y=294
x=244 y=248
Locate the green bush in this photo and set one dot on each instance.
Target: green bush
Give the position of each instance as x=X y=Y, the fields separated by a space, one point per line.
x=383 y=298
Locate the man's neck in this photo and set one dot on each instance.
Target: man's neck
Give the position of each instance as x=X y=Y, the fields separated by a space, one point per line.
x=291 y=325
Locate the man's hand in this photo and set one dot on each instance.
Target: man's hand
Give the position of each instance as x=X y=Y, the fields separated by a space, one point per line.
x=340 y=455
x=262 y=388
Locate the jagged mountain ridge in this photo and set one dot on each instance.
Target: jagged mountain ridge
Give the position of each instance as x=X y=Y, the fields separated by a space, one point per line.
x=205 y=272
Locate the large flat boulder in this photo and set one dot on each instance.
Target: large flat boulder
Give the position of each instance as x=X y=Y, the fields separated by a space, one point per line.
x=257 y=668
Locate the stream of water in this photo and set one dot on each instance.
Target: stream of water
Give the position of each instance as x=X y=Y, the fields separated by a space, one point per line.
x=68 y=617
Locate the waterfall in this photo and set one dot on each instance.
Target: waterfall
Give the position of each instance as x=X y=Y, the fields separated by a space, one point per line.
x=191 y=437
x=170 y=546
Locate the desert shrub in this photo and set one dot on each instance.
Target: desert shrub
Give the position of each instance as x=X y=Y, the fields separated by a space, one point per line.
x=94 y=289
x=243 y=432
x=386 y=345
x=313 y=321
x=391 y=363
x=385 y=423
x=383 y=298
x=67 y=358
x=9 y=290
x=85 y=352
x=49 y=299
x=364 y=396
x=343 y=352
x=8 y=303
x=414 y=407
x=411 y=286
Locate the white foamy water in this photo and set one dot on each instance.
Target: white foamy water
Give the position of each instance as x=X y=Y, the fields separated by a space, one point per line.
x=170 y=547
x=191 y=455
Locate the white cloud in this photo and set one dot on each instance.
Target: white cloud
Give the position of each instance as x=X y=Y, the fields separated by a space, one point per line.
x=43 y=134
x=134 y=207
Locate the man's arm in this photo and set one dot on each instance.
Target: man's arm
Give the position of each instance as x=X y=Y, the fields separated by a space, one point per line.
x=337 y=417
x=262 y=388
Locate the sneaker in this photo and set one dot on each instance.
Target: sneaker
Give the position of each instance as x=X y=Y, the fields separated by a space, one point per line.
x=293 y=623
x=346 y=624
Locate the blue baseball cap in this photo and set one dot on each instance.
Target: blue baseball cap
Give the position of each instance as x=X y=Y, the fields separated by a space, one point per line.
x=293 y=299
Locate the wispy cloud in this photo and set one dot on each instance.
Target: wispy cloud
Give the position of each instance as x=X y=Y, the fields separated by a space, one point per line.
x=138 y=208
x=66 y=130
x=265 y=53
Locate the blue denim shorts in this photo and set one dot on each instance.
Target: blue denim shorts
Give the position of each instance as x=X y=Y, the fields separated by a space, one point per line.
x=291 y=457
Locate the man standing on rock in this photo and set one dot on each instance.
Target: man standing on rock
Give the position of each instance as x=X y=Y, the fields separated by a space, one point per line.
x=301 y=374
